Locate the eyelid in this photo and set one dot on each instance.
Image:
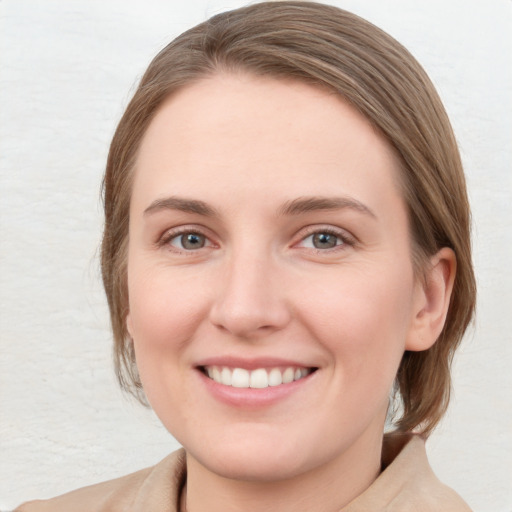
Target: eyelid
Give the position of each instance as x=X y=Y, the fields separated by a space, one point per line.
x=347 y=238
x=171 y=233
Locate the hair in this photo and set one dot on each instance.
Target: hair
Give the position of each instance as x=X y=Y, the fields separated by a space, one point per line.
x=326 y=47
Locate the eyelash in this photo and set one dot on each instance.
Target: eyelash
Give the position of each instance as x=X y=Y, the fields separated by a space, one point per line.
x=169 y=236
x=345 y=239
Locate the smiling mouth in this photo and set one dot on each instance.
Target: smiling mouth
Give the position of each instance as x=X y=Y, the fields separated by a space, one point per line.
x=259 y=378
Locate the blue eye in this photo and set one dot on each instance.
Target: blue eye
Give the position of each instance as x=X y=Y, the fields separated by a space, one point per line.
x=322 y=240
x=189 y=241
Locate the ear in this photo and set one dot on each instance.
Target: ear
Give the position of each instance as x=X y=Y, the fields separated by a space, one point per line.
x=431 y=300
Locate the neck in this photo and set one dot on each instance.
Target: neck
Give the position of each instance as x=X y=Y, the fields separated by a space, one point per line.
x=326 y=488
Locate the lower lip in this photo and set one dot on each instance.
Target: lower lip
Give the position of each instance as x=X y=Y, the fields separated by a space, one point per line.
x=253 y=397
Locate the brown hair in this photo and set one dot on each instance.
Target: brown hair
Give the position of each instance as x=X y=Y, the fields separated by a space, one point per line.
x=325 y=46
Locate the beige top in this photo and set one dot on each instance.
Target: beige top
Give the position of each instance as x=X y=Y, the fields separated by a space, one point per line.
x=407 y=484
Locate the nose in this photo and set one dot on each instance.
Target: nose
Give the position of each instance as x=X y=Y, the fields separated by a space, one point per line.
x=250 y=302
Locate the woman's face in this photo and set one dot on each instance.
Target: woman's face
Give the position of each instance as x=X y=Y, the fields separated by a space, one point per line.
x=269 y=249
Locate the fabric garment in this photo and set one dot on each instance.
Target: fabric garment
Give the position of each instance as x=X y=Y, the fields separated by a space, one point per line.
x=406 y=484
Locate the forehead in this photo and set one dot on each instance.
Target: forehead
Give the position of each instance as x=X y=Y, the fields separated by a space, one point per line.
x=239 y=131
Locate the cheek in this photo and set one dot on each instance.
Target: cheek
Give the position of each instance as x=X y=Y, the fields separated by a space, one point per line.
x=165 y=311
x=164 y=308
x=362 y=319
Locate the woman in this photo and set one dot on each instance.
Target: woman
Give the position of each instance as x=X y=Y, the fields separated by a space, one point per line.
x=286 y=243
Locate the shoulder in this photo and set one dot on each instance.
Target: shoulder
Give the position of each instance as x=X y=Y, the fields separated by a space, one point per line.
x=121 y=494
x=112 y=495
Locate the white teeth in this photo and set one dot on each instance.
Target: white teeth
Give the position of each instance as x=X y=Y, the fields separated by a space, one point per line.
x=226 y=377
x=288 y=375
x=259 y=379
x=239 y=378
x=275 y=378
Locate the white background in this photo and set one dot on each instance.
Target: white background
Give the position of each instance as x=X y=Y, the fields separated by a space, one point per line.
x=67 y=69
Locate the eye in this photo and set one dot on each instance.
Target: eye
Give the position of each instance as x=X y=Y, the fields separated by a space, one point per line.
x=324 y=240
x=189 y=241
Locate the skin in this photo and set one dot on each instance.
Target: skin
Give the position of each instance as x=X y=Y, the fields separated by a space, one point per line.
x=248 y=147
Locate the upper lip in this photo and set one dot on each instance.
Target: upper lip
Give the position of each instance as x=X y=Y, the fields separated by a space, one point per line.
x=251 y=363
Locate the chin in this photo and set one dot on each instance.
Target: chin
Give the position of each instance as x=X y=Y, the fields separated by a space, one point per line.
x=253 y=466
x=257 y=458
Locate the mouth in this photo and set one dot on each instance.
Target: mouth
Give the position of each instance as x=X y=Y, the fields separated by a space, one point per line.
x=258 y=378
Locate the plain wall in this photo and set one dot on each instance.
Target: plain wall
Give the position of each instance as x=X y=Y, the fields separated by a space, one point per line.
x=67 y=69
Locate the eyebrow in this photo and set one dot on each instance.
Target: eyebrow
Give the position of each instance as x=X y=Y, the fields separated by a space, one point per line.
x=181 y=204
x=308 y=204
x=294 y=207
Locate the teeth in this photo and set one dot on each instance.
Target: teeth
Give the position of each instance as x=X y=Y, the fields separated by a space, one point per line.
x=288 y=375
x=225 y=376
x=239 y=379
x=275 y=378
x=259 y=379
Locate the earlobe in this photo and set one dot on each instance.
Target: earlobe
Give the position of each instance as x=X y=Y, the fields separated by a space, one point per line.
x=431 y=301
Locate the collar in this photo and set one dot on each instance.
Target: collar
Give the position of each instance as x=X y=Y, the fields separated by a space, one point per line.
x=407 y=481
